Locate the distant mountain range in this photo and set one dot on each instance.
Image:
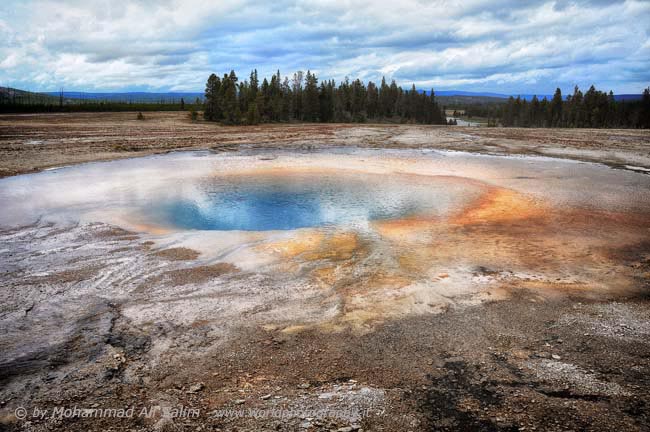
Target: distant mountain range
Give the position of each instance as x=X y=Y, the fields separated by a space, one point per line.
x=12 y=95
x=168 y=97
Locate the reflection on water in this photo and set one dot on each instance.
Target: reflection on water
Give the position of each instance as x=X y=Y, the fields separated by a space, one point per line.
x=290 y=201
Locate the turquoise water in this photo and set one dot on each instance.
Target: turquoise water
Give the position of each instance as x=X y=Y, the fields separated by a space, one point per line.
x=252 y=211
x=264 y=203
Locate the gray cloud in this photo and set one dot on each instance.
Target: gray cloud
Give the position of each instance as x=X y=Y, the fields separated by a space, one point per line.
x=506 y=45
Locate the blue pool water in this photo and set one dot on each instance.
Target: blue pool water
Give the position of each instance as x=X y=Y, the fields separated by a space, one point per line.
x=251 y=211
x=266 y=203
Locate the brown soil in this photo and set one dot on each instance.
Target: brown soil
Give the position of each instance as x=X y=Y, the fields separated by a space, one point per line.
x=178 y=254
x=199 y=274
x=33 y=142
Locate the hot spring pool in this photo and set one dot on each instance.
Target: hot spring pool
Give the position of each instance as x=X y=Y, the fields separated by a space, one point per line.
x=262 y=202
x=255 y=192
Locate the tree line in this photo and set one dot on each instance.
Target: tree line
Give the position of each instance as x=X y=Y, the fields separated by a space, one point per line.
x=20 y=101
x=593 y=109
x=9 y=107
x=302 y=98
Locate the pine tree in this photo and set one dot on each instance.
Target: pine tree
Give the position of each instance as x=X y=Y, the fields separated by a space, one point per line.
x=212 y=110
x=372 y=102
x=358 y=101
x=534 y=116
x=612 y=114
x=395 y=102
x=287 y=98
x=385 y=102
x=253 y=114
x=556 y=108
x=275 y=97
x=254 y=86
x=326 y=102
x=310 y=102
x=230 y=105
x=296 y=88
x=645 y=109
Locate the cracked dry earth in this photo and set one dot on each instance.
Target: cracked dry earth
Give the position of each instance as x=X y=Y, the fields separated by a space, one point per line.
x=522 y=305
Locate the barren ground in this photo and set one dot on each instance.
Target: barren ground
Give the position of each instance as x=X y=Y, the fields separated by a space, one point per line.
x=34 y=142
x=565 y=346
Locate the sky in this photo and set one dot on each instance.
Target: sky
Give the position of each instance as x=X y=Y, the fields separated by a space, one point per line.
x=503 y=46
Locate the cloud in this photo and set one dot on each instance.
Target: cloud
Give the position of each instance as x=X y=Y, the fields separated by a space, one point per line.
x=505 y=45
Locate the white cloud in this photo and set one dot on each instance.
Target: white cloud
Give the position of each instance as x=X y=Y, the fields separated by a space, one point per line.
x=506 y=45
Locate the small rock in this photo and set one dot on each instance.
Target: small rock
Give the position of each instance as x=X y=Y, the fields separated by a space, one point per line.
x=195 y=388
x=304 y=386
x=555 y=357
x=305 y=425
x=345 y=429
x=266 y=396
x=239 y=401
